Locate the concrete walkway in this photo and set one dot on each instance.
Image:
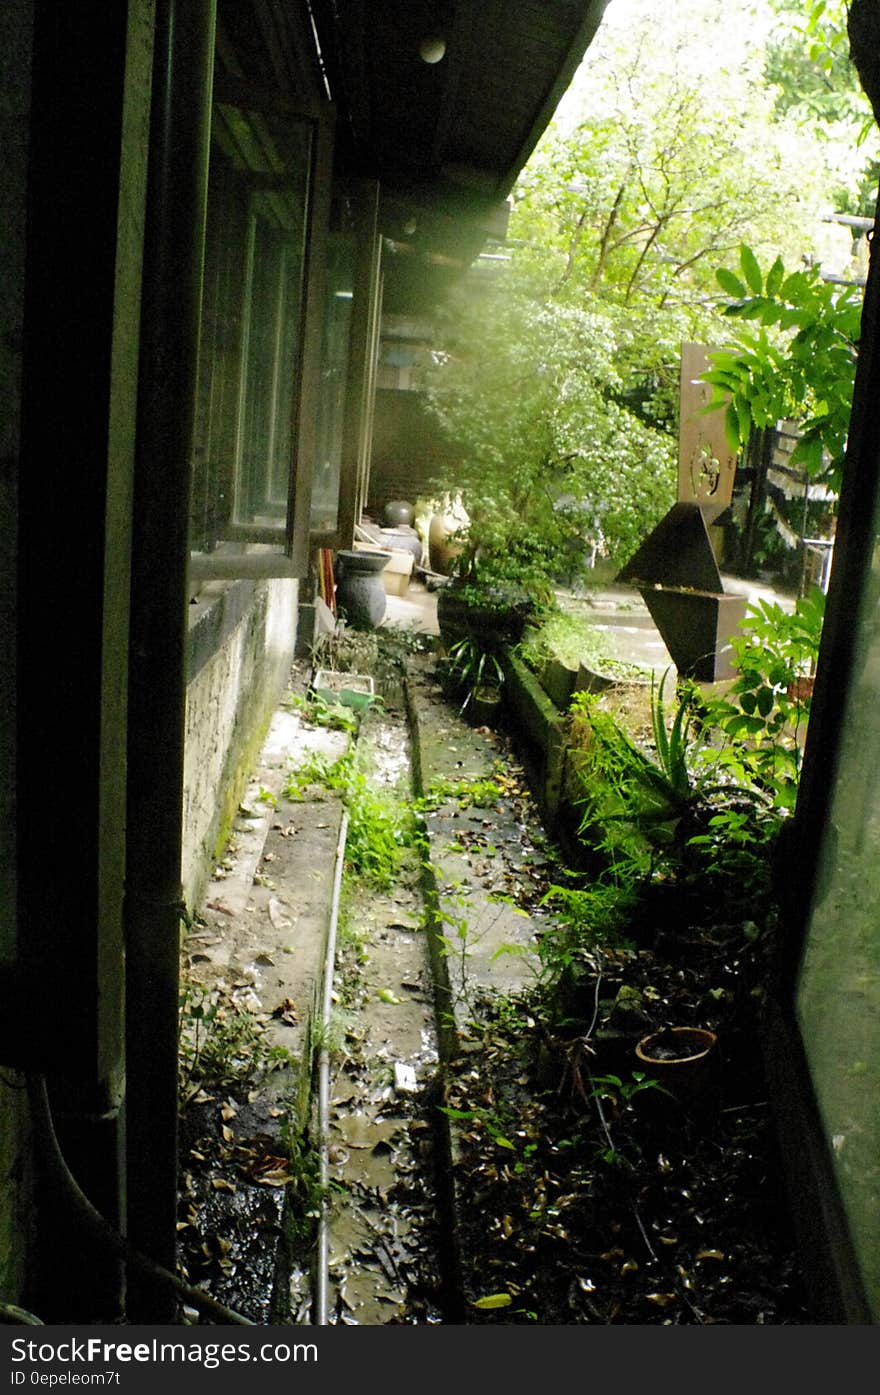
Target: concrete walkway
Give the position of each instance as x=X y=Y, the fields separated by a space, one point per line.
x=261 y=933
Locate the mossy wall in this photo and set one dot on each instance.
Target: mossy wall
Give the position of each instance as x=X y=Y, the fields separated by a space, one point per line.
x=230 y=704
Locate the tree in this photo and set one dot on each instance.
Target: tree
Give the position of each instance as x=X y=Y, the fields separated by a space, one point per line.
x=810 y=66
x=561 y=380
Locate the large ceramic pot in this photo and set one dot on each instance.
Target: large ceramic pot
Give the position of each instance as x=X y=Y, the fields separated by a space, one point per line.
x=502 y=618
x=442 y=551
x=406 y=539
x=360 y=594
x=397 y=512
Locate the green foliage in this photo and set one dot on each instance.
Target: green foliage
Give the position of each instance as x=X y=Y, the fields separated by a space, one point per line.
x=766 y=709
x=478 y=794
x=380 y=827
x=809 y=65
x=620 y=1093
x=636 y=805
x=563 y=636
x=473 y=666
x=557 y=376
x=699 y=813
x=798 y=363
x=221 y=1043
x=322 y=712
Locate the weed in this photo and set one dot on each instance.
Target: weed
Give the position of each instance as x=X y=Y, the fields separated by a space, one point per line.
x=380 y=827
x=477 y=794
x=320 y=712
x=484 y=1119
x=221 y=1043
x=569 y=638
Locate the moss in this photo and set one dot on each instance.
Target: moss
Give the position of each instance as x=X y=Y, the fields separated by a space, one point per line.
x=236 y=780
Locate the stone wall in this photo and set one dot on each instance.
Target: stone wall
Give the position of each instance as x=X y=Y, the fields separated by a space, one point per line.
x=230 y=702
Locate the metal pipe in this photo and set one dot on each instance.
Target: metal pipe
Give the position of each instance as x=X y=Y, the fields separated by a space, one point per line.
x=171 y=310
x=324 y=1077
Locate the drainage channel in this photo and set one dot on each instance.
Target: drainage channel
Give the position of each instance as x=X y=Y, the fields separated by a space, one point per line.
x=349 y=1015
x=380 y=1235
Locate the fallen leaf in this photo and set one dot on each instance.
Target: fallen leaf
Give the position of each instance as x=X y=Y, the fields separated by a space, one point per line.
x=220 y=1184
x=286 y=1012
x=492 y=1300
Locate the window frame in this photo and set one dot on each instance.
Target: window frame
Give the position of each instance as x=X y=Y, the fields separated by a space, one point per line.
x=249 y=550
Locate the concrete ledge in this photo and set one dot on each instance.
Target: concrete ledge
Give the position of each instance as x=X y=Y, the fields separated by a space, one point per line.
x=541 y=728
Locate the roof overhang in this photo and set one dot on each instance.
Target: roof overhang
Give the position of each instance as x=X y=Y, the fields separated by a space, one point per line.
x=447 y=138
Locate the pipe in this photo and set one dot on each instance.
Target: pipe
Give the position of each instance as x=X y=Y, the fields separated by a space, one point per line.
x=324 y=1077
x=171 y=311
x=65 y=1187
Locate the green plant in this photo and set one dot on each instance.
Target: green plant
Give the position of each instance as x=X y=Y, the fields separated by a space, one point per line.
x=560 y=635
x=477 y=793
x=380 y=827
x=619 y=1093
x=766 y=710
x=482 y=1118
x=221 y=1044
x=635 y=802
x=321 y=712
x=799 y=363
x=474 y=668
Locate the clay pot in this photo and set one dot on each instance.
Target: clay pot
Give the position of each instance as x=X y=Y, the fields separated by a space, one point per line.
x=441 y=551
x=682 y=1060
x=359 y=589
x=397 y=512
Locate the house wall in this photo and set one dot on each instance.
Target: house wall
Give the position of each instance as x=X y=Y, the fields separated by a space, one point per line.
x=411 y=459
x=242 y=639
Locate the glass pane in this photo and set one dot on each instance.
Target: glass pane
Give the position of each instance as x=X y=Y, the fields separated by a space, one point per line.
x=334 y=375
x=251 y=344
x=838 y=1000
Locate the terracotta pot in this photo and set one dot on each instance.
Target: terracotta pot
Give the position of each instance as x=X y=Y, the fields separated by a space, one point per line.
x=682 y=1060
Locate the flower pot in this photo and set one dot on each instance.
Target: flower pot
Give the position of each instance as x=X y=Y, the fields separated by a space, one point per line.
x=484 y=705
x=359 y=590
x=682 y=1060
x=499 y=619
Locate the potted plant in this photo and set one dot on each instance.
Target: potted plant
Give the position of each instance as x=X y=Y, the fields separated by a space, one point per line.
x=495 y=589
x=477 y=675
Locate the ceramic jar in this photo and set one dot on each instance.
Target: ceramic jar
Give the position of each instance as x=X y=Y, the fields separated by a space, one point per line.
x=360 y=594
x=397 y=512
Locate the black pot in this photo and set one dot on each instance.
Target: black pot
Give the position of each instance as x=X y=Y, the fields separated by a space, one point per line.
x=359 y=589
x=498 y=620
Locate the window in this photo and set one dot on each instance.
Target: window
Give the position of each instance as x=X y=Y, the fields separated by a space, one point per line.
x=353 y=297
x=260 y=339
x=339 y=299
